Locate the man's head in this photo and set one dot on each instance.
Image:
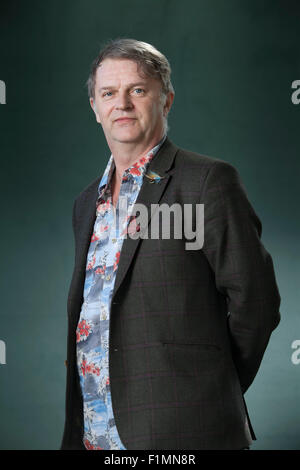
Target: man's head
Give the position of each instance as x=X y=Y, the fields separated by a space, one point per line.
x=131 y=79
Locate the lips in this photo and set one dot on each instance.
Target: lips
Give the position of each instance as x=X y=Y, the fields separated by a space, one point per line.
x=124 y=119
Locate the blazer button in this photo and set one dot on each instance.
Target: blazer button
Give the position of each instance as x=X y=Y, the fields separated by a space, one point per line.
x=115 y=350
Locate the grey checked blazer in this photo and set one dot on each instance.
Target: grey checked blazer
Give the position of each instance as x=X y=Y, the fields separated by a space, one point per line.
x=188 y=328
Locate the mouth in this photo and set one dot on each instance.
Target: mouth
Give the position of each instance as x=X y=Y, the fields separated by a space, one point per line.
x=124 y=120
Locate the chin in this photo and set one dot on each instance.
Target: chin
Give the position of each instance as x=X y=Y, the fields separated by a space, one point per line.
x=127 y=137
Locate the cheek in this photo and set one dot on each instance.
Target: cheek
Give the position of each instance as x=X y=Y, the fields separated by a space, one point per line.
x=103 y=107
x=149 y=114
x=104 y=115
x=153 y=112
x=156 y=114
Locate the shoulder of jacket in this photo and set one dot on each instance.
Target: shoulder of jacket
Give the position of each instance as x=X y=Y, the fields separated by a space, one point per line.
x=88 y=190
x=194 y=158
x=205 y=164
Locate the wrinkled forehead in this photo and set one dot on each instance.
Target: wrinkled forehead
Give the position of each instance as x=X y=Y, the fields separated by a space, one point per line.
x=113 y=71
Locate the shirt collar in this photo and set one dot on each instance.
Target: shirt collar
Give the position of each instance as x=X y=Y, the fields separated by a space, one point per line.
x=136 y=170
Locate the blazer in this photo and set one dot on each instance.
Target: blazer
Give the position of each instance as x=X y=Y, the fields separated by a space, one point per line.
x=188 y=328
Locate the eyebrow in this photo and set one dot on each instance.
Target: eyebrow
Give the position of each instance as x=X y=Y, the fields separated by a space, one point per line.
x=130 y=85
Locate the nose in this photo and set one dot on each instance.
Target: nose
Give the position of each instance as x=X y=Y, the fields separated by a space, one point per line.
x=123 y=101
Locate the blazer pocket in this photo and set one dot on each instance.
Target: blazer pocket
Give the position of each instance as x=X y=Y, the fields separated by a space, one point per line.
x=193 y=358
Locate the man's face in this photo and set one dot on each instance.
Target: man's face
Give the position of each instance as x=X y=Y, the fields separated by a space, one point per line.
x=127 y=104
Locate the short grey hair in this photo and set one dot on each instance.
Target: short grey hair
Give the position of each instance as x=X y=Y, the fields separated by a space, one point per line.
x=149 y=60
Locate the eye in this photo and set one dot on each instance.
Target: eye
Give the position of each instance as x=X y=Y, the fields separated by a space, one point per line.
x=106 y=94
x=139 y=91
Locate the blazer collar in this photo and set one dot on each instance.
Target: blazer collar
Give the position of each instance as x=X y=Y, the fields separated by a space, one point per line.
x=162 y=161
x=150 y=193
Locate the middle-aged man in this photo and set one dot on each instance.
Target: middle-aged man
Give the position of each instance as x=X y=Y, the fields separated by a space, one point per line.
x=163 y=339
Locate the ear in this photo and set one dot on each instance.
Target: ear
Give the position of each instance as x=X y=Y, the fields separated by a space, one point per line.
x=168 y=103
x=94 y=108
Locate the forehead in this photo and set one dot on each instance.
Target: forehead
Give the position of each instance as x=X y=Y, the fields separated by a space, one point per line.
x=119 y=71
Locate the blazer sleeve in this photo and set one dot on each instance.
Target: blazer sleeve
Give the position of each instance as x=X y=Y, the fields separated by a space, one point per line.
x=244 y=271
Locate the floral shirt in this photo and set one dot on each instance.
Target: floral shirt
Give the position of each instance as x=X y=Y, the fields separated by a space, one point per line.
x=92 y=334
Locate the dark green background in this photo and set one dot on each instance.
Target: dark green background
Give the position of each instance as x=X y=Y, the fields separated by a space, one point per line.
x=233 y=63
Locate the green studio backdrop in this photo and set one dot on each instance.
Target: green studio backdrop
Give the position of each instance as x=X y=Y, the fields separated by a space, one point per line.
x=233 y=64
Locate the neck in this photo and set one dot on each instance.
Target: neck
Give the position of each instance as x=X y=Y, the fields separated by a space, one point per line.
x=126 y=154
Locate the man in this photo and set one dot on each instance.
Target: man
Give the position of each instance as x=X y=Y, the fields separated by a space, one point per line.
x=163 y=341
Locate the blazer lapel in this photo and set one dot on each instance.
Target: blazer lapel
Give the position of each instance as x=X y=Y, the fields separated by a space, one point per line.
x=87 y=219
x=150 y=193
x=83 y=231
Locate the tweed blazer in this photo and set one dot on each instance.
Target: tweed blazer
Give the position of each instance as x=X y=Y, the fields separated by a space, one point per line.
x=188 y=328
